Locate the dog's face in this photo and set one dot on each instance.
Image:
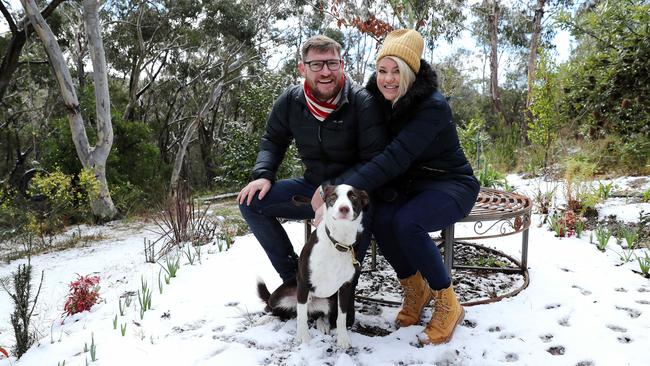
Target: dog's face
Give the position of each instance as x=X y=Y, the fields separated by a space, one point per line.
x=344 y=202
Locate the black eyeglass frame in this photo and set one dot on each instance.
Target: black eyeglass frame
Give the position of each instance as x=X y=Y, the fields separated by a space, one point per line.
x=314 y=63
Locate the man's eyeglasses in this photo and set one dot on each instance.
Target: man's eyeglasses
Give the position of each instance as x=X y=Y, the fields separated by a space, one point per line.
x=316 y=66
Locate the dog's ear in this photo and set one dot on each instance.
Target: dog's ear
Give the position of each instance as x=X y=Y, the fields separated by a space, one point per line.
x=363 y=197
x=328 y=189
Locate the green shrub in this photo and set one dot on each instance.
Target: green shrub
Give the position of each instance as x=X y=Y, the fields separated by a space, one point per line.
x=472 y=137
x=134 y=162
x=645 y=196
x=13 y=213
x=544 y=127
x=503 y=149
x=491 y=178
x=67 y=200
x=238 y=158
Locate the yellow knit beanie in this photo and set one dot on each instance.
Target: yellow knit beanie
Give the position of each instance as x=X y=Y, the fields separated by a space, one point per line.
x=406 y=44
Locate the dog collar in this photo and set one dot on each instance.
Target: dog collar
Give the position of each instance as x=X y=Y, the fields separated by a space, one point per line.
x=343 y=248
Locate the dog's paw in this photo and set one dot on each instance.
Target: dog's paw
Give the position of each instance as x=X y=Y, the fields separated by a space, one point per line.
x=303 y=335
x=323 y=326
x=342 y=340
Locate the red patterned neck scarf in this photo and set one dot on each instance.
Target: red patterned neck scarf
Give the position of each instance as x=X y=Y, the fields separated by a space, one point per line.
x=320 y=110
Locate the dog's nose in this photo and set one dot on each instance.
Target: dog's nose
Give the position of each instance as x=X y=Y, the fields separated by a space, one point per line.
x=344 y=209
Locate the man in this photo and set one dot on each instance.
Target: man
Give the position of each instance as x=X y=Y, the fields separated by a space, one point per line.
x=336 y=125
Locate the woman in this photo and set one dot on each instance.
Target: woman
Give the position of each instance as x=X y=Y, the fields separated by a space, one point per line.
x=422 y=179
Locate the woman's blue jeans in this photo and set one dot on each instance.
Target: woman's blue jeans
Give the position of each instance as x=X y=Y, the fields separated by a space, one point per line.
x=402 y=228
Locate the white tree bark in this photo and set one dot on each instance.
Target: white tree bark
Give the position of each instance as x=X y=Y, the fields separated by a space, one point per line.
x=91 y=157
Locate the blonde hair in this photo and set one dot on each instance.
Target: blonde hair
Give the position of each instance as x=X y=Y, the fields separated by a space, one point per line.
x=406 y=76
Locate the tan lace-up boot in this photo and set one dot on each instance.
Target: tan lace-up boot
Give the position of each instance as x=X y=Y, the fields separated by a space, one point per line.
x=417 y=295
x=446 y=315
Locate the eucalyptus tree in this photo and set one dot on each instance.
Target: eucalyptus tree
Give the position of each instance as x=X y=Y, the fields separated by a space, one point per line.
x=141 y=36
x=91 y=157
x=539 y=13
x=487 y=30
x=228 y=43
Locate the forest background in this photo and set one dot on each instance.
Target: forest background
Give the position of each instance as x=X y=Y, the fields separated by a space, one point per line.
x=108 y=108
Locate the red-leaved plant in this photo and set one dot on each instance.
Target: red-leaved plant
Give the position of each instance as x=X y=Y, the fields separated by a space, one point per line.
x=84 y=293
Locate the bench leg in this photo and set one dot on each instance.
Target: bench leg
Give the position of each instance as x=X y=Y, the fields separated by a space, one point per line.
x=307 y=230
x=373 y=253
x=449 y=248
x=524 y=250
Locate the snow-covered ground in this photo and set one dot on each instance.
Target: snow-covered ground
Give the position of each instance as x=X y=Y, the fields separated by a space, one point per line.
x=582 y=307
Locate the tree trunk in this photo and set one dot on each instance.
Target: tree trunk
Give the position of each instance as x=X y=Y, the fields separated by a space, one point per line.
x=493 y=28
x=134 y=81
x=189 y=132
x=532 y=63
x=91 y=157
x=103 y=206
x=207 y=144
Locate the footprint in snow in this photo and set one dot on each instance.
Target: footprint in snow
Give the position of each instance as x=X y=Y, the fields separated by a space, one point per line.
x=494 y=329
x=546 y=338
x=620 y=289
x=582 y=291
x=564 y=321
x=616 y=328
x=633 y=313
x=512 y=357
x=506 y=336
x=556 y=350
x=643 y=302
x=552 y=306
x=624 y=339
x=585 y=363
x=469 y=323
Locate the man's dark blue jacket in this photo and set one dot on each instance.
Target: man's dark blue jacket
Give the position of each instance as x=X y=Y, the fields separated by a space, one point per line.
x=351 y=134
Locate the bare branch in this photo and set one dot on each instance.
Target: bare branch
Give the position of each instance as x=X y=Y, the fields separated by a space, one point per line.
x=10 y=19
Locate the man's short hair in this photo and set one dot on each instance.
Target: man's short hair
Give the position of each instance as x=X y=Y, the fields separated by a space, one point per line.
x=320 y=43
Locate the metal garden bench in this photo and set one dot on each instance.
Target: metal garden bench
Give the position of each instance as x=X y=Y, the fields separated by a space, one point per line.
x=502 y=213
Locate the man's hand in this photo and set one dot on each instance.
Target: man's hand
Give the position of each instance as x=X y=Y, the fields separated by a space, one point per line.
x=247 y=193
x=317 y=199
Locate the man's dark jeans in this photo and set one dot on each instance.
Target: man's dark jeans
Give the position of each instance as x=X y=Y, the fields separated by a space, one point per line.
x=262 y=218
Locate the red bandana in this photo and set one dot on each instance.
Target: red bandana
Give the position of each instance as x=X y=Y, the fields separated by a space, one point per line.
x=320 y=110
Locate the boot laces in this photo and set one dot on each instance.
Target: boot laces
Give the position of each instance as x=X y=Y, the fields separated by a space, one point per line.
x=442 y=308
x=410 y=296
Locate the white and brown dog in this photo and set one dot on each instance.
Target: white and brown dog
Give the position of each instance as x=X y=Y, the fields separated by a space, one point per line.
x=326 y=268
